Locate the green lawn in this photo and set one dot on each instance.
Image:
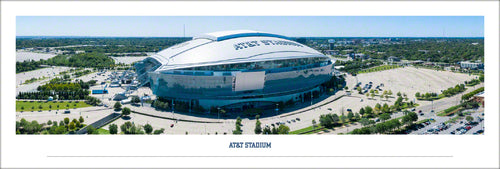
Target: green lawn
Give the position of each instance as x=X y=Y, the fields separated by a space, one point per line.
x=310 y=128
x=102 y=131
x=28 y=105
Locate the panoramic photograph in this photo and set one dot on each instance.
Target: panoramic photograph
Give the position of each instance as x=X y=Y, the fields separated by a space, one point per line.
x=250 y=75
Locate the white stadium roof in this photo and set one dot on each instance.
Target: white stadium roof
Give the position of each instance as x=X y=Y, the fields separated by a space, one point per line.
x=232 y=47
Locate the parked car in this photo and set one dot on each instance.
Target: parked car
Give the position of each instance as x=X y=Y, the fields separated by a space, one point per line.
x=298 y=119
x=413 y=109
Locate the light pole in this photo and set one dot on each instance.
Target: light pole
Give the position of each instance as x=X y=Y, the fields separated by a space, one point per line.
x=277 y=109
x=218 y=112
x=173 y=109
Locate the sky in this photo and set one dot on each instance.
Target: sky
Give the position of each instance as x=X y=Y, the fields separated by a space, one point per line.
x=292 y=26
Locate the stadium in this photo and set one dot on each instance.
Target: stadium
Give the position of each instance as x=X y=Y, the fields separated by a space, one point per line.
x=236 y=70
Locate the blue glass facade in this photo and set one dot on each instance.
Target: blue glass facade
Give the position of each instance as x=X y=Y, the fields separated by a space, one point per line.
x=199 y=83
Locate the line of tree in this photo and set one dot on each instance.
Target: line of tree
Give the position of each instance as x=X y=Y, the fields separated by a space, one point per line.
x=281 y=129
x=471 y=94
x=104 y=45
x=95 y=60
x=62 y=95
x=65 y=126
x=354 y=66
x=388 y=126
x=27 y=65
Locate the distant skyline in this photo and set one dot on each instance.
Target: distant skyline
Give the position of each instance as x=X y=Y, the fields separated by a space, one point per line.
x=292 y=26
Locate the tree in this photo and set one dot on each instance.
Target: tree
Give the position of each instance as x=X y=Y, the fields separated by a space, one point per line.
x=385 y=108
x=125 y=127
x=40 y=107
x=314 y=123
x=126 y=111
x=385 y=116
x=49 y=122
x=81 y=120
x=283 y=129
x=72 y=126
x=237 y=131
x=325 y=120
x=266 y=130
x=50 y=106
x=398 y=94
x=91 y=130
x=373 y=95
x=367 y=94
x=368 y=110
x=238 y=126
x=77 y=124
x=22 y=108
x=364 y=121
x=148 y=128
x=113 y=129
x=258 y=128
x=350 y=115
x=469 y=118
x=66 y=121
x=357 y=116
x=160 y=131
x=117 y=106
x=359 y=90
x=60 y=130
x=362 y=111
x=390 y=92
x=417 y=94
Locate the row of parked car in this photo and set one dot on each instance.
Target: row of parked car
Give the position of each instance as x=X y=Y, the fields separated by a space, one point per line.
x=279 y=123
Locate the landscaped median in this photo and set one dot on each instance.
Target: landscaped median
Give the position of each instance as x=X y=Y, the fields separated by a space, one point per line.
x=48 y=105
x=450 y=111
x=308 y=130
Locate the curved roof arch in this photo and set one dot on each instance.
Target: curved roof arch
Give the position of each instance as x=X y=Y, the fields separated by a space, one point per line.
x=232 y=47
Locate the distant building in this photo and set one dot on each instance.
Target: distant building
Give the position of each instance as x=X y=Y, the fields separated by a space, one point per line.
x=358 y=56
x=471 y=65
x=479 y=98
x=332 y=52
x=331 y=43
x=393 y=59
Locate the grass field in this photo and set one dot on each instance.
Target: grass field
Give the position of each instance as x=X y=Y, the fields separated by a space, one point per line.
x=379 y=68
x=35 y=105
